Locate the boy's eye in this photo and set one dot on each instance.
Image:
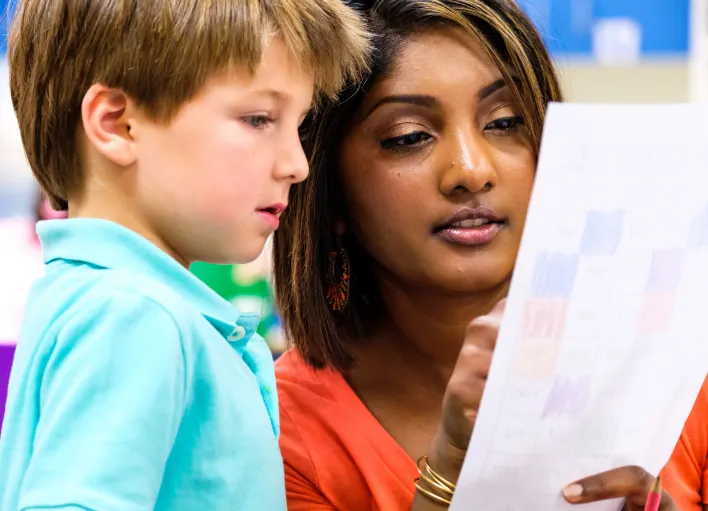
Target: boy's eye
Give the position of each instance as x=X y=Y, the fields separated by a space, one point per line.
x=407 y=141
x=258 y=121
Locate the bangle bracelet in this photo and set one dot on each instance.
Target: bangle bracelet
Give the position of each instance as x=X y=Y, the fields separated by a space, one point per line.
x=440 y=480
x=431 y=495
x=435 y=484
x=435 y=481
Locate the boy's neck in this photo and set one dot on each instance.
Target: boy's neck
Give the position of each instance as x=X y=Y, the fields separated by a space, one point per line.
x=108 y=205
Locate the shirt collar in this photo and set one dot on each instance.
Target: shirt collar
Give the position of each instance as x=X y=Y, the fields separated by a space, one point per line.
x=109 y=245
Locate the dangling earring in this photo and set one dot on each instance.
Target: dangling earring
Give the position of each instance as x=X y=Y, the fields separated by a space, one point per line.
x=338 y=278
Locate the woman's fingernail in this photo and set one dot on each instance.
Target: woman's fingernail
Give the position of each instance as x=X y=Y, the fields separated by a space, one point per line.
x=572 y=491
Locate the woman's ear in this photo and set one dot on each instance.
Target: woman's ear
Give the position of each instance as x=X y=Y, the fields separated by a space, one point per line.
x=340 y=227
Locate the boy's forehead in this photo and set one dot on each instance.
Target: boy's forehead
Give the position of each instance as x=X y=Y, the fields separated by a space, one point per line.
x=278 y=77
x=278 y=70
x=264 y=91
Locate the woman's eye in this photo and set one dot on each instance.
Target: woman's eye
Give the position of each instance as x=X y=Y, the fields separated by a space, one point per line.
x=406 y=141
x=258 y=121
x=505 y=124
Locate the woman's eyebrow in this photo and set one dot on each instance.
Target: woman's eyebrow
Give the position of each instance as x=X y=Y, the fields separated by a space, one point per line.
x=427 y=101
x=409 y=99
x=490 y=89
x=493 y=87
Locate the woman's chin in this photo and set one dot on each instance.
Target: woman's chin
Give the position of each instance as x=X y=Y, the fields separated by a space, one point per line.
x=479 y=280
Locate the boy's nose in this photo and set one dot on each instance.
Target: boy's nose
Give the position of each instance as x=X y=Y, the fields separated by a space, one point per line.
x=292 y=163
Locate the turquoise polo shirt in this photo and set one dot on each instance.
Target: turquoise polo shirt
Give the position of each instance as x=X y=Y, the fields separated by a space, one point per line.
x=135 y=387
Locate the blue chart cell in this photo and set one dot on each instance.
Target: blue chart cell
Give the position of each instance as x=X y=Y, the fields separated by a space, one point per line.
x=554 y=275
x=699 y=230
x=603 y=232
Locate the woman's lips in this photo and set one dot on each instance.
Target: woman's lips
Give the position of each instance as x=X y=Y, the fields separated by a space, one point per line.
x=462 y=233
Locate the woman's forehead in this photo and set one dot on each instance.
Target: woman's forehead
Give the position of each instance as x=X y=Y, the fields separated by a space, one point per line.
x=435 y=60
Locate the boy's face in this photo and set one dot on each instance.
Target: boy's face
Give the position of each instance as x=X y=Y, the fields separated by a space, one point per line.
x=213 y=182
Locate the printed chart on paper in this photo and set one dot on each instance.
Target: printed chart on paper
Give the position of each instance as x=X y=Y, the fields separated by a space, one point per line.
x=604 y=342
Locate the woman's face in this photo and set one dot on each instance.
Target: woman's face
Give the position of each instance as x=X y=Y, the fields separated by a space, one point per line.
x=438 y=168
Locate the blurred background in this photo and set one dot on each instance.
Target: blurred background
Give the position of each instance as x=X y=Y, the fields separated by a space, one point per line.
x=634 y=51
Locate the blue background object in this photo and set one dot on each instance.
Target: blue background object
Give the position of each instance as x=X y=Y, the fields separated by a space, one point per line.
x=567 y=24
x=4 y=23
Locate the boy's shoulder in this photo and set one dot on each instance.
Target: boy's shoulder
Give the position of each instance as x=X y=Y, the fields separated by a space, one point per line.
x=114 y=281
x=104 y=295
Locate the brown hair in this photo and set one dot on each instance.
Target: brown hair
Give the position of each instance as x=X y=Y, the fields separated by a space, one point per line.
x=306 y=238
x=160 y=53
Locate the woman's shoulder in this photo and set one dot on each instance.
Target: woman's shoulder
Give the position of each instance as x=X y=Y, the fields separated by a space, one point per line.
x=329 y=436
x=317 y=437
x=289 y=364
x=291 y=369
x=308 y=394
x=695 y=431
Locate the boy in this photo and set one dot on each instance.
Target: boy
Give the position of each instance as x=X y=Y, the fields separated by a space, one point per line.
x=169 y=130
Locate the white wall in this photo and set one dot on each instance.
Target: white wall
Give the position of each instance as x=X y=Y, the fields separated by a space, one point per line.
x=16 y=182
x=649 y=82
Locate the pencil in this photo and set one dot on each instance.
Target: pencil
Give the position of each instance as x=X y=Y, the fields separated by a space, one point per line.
x=654 y=498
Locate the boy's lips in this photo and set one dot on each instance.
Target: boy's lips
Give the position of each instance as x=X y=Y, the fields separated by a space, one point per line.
x=271 y=214
x=274 y=209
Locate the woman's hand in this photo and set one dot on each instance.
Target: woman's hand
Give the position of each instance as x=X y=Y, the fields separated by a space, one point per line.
x=631 y=483
x=464 y=394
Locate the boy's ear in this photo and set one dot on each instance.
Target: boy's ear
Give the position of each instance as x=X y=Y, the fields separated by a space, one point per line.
x=106 y=115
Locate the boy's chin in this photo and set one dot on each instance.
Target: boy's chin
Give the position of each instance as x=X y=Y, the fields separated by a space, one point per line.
x=243 y=254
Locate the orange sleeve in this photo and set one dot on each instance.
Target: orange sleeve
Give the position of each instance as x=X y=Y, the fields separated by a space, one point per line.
x=300 y=476
x=685 y=475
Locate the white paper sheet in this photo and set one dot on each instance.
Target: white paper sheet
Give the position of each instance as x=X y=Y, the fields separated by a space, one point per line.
x=604 y=342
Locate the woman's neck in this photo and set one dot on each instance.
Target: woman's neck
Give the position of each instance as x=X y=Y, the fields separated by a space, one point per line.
x=401 y=371
x=429 y=326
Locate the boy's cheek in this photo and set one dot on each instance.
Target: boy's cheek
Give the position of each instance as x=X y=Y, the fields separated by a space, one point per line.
x=221 y=203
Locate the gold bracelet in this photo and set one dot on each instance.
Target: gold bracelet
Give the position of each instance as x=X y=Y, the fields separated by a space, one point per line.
x=440 y=480
x=436 y=481
x=432 y=482
x=431 y=495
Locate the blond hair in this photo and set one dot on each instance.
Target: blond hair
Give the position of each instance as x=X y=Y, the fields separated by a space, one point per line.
x=160 y=53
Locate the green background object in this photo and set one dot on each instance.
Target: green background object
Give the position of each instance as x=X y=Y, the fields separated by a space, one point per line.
x=248 y=290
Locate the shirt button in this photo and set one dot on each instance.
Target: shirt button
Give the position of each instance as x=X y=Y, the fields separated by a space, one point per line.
x=238 y=334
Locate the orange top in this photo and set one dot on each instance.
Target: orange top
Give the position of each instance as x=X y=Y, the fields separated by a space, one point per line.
x=686 y=474
x=338 y=457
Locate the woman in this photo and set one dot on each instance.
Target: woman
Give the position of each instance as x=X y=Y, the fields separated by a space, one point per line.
x=407 y=230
